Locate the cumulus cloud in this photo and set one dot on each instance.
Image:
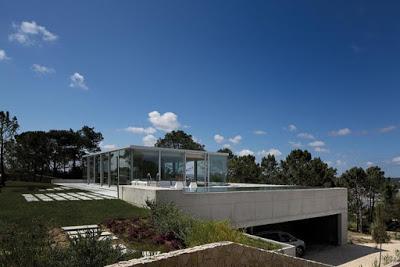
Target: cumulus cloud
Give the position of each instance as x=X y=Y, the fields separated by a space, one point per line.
x=295 y=144
x=388 y=129
x=30 y=33
x=317 y=144
x=236 y=139
x=226 y=146
x=259 y=132
x=245 y=152
x=140 y=130
x=42 y=70
x=149 y=140
x=218 y=138
x=305 y=136
x=396 y=160
x=273 y=151
x=166 y=122
x=340 y=162
x=105 y=147
x=369 y=163
x=3 y=55
x=292 y=128
x=78 y=81
x=341 y=132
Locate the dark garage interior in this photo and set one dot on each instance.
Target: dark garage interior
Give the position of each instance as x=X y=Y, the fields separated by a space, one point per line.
x=314 y=231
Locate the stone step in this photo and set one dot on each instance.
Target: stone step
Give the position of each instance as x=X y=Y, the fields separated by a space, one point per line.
x=80 y=227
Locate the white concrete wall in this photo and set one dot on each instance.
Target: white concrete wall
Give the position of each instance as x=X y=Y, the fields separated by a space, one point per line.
x=252 y=208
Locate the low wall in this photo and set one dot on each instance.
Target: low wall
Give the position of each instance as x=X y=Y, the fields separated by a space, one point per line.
x=221 y=254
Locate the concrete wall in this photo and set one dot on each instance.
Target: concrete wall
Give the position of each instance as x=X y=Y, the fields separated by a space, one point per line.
x=221 y=254
x=251 y=208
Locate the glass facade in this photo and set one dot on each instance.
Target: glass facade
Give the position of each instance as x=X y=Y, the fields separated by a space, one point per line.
x=172 y=166
x=106 y=169
x=145 y=165
x=218 y=169
x=125 y=166
x=114 y=168
x=84 y=168
x=164 y=165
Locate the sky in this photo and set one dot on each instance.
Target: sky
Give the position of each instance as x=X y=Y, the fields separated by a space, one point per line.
x=259 y=77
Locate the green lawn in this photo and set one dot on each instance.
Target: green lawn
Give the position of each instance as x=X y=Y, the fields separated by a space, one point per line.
x=15 y=210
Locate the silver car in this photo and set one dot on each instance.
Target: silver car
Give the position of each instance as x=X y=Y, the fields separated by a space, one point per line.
x=286 y=238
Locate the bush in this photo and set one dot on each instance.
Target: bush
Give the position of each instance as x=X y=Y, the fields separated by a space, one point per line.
x=168 y=220
x=204 y=232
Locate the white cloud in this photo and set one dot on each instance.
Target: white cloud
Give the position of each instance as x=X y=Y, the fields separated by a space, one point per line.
x=321 y=149
x=105 y=147
x=245 y=152
x=273 y=151
x=388 y=129
x=305 y=136
x=369 y=163
x=236 y=139
x=39 y=69
x=295 y=144
x=29 y=33
x=78 y=81
x=317 y=144
x=166 y=122
x=149 y=140
x=226 y=146
x=259 y=132
x=3 y=55
x=140 y=130
x=292 y=128
x=341 y=132
x=219 y=138
x=396 y=160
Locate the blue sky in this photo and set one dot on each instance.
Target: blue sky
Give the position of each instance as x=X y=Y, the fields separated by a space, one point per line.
x=319 y=75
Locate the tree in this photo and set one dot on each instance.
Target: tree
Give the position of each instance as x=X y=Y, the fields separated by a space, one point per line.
x=8 y=129
x=227 y=151
x=300 y=168
x=270 y=172
x=375 y=181
x=179 y=140
x=355 y=180
x=244 y=169
x=379 y=234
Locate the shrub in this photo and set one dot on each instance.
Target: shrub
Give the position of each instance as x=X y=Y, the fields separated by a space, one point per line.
x=167 y=219
x=204 y=232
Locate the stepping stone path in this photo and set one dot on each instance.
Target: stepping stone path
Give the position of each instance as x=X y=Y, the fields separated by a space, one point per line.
x=74 y=232
x=54 y=194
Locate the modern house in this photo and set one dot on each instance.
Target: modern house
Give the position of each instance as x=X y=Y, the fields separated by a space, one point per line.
x=196 y=181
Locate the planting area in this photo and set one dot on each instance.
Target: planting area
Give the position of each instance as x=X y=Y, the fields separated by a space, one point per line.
x=31 y=235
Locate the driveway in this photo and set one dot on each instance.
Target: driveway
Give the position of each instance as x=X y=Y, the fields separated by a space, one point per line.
x=352 y=255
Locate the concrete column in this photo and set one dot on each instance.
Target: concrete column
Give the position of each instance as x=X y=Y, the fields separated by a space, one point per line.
x=101 y=169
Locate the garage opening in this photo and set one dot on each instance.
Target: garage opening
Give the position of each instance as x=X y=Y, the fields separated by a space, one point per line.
x=314 y=231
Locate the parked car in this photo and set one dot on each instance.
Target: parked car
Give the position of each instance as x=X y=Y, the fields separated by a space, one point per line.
x=286 y=238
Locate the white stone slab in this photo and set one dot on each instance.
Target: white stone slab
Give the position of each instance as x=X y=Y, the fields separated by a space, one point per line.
x=43 y=197
x=30 y=197
x=66 y=196
x=80 y=227
x=78 y=196
x=56 y=196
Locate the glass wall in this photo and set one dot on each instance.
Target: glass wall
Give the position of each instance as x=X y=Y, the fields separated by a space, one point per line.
x=84 y=168
x=97 y=169
x=145 y=165
x=114 y=168
x=172 y=166
x=125 y=166
x=91 y=169
x=106 y=169
x=218 y=169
